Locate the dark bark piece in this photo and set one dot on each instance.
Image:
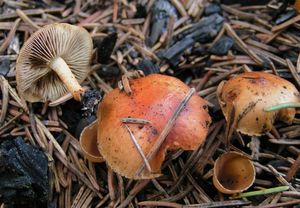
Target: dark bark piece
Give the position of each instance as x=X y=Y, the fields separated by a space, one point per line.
x=284 y=17
x=106 y=47
x=212 y=9
x=206 y=29
x=109 y=71
x=203 y=31
x=23 y=174
x=148 y=67
x=4 y=66
x=90 y=101
x=162 y=10
x=141 y=11
x=222 y=46
x=176 y=50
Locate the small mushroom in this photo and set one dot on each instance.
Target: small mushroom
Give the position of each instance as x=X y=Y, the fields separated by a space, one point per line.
x=88 y=142
x=154 y=99
x=54 y=60
x=244 y=98
x=233 y=173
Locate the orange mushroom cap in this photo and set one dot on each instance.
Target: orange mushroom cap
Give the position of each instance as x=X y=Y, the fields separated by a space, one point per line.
x=245 y=96
x=155 y=99
x=297 y=5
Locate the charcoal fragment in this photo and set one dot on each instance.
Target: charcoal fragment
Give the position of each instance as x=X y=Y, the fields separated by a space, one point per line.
x=148 y=67
x=141 y=11
x=284 y=17
x=23 y=174
x=206 y=29
x=4 y=66
x=178 y=49
x=162 y=10
x=212 y=9
x=106 y=47
x=222 y=46
x=108 y=71
x=90 y=101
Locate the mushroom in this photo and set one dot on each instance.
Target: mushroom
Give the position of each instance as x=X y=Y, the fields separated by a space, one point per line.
x=54 y=60
x=233 y=173
x=154 y=99
x=88 y=142
x=297 y=5
x=244 y=98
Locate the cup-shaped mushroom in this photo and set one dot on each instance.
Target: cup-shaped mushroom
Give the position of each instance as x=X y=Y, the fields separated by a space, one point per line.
x=244 y=98
x=154 y=98
x=233 y=173
x=53 y=61
x=88 y=143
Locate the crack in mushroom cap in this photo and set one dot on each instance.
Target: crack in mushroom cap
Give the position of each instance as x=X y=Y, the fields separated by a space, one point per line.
x=249 y=93
x=37 y=82
x=155 y=99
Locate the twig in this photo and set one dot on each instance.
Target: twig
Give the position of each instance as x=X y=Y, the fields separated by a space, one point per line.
x=5 y=98
x=10 y=36
x=242 y=45
x=139 y=149
x=26 y=19
x=282 y=204
x=166 y=130
x=261 y=192
x=135 y=121
x=293 y=169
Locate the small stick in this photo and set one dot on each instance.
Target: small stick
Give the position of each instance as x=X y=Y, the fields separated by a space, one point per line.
x=115 y=10
x=282 y=204
x=135 y=121
x=280 y=178
x=139 y=149
x=286 y=24
x=26 y=19
x=50 y=137
x=179 y=7
x=5 y=98
x=293 y=71
x=261 y=192
x=298 y=63
x=242 y=45
x=10 y=36
x=110 y=184
x=293 y=169
x=159 y=204
x=167 y=129
x=282 y=106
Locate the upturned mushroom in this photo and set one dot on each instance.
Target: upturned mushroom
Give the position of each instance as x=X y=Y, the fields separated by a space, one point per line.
x=233 y=173
x=54 y=60
x=244 y=98
x=154 y=99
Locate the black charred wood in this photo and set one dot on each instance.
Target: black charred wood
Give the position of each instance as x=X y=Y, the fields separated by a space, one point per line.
x=222 y=46
x=4 y=66
x=162 y=10
x=148 y=67
x=23 y=174
x=106 y=47
x=90 y=101
x=212 y=9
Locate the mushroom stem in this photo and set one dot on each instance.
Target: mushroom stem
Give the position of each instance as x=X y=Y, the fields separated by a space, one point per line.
x=67 y=77
x=282 y=106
